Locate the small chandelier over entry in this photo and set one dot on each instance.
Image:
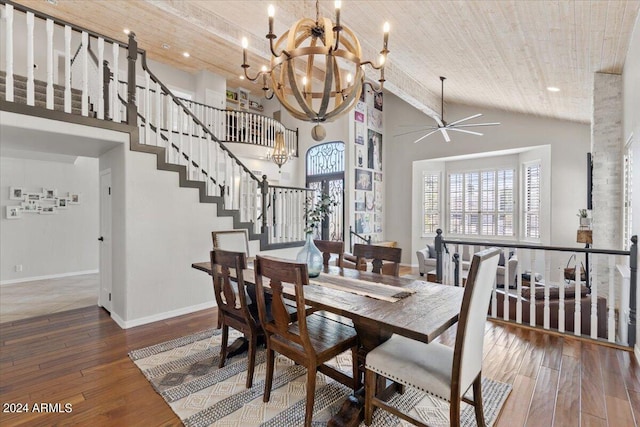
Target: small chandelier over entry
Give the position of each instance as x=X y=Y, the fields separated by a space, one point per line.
x=316 y=69
x=279 y=155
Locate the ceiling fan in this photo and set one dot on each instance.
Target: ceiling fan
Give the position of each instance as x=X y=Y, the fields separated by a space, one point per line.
x=444 y=127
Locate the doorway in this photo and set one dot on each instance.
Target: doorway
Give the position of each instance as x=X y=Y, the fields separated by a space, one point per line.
x=106 y=282
x=325 y=173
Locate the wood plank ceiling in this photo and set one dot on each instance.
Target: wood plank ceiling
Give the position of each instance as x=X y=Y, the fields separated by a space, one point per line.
x=498 y=54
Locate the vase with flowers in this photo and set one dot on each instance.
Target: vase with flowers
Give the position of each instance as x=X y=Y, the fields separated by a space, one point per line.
x=309 y=253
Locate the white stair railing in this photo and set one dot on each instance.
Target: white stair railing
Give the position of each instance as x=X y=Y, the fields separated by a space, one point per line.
x=82 y=82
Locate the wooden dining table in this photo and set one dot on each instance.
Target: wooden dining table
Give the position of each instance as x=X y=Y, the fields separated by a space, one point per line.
x=420 y=310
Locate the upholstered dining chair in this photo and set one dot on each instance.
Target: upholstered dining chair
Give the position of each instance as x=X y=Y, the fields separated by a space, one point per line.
x=437 y=369
x=328 y=247
x=231 y=240
x=378 y=254
x=233 y=305
x=310 y=341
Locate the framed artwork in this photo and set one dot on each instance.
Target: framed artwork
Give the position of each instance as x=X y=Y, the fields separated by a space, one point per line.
x=377 y=176
x=360 y=201
x=16 y=193
x=363 y=223
x=374 y=118
x=35 y=197
x=74 y=198
x=48 y=210
x=359 y=116
x=361 y=157
x=359 y=133
x=364 y=180
x=232 y=95
x=49 y=193
x=377 y=101
x=374 y=149
x=62 y=203
x=369 y=198
x=14 y=212
x=30 y=206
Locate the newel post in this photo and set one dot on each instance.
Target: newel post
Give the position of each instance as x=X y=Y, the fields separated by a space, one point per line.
x=106 y=81
x=438 y=243
x=264 y=190
x=132 y=56
x=633 y=289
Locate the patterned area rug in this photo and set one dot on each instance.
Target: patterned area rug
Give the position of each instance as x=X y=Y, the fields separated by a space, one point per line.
x=185 y=373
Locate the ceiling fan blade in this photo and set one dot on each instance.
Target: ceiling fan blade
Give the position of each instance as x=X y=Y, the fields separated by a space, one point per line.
x=445 y=134
x=465 y=119
x=424 y=136
x=466 y=131
x=475 y=124
x=417 y=130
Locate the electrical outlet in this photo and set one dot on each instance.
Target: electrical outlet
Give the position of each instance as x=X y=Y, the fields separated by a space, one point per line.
x=18 y=268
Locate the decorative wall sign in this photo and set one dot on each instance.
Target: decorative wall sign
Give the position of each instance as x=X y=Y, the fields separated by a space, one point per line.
x=46 y=202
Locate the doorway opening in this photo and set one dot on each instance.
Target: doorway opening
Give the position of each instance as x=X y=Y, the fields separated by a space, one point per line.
x=325 y=173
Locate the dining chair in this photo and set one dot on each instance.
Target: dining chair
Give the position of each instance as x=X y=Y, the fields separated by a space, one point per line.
x=378 y=254
x=310 y=341
x=231 y=240
x=434 y=368
x=328 y=247
x=233 y=304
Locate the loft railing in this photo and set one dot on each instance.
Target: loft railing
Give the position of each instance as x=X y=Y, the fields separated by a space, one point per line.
x=244 y=127
x=21 y=49
x=604 y=310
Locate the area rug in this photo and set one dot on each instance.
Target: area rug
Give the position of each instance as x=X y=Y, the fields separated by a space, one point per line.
x=185 y=373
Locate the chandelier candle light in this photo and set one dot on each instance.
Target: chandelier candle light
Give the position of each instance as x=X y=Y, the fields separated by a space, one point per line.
x=313 y=63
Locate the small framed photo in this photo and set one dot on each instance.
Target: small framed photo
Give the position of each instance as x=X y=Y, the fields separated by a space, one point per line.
x=33 y=197
x=74 y=198
x=30 y=207
x=232 y=95
x=14 y=212
x=48 y=210
x=62 y=203
x=16 y=193
x=49 y=193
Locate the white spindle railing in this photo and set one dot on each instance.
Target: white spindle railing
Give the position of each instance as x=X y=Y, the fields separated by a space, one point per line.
x=565 y=303
x=82 y=77
x=243 y=127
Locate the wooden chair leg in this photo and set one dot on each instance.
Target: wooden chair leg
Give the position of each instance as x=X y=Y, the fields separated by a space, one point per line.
x=370 y=382
x=251 y=361
x=477 y=399
x=311 y=394
x=269 y=375
x=223 y=345
x=454 y=412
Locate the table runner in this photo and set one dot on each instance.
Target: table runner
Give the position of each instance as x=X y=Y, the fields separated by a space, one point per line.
x=364 y=287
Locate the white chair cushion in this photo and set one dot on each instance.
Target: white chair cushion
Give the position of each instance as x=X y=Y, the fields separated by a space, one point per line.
x=426 y=367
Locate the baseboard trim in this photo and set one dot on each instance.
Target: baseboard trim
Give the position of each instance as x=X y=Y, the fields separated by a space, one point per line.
x=49 y=276
x=126 y=324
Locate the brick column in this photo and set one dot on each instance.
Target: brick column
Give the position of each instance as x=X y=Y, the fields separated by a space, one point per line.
x=606 y=148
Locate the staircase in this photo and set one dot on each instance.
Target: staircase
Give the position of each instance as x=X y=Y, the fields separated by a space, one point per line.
x=20 y=95
x=162 y=124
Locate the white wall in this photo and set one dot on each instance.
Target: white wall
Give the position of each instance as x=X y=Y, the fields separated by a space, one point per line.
x=569 y=143
x=631 y=125
x=47 y=245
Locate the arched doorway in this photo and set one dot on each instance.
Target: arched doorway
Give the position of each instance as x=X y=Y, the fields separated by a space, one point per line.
x=325 y=173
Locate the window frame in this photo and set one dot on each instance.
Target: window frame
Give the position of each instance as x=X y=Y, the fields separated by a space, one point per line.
x=524 y=212
x=438 y=211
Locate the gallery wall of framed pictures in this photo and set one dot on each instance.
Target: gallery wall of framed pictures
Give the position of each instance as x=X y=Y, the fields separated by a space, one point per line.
x=44 y=201
x=368 y=177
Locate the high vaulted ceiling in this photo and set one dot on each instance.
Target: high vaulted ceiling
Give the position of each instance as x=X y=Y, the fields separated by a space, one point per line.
x=498 y=54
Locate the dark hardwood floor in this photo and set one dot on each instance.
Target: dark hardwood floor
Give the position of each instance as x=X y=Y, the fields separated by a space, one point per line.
x=80 y=357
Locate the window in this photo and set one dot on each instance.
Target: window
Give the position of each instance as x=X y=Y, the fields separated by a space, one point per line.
x=431 y=202
x=481 y=203
x=532 y=200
